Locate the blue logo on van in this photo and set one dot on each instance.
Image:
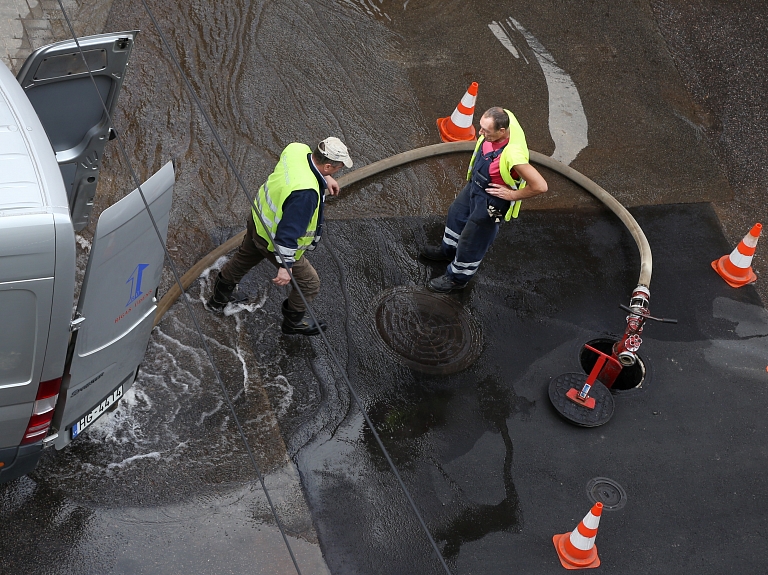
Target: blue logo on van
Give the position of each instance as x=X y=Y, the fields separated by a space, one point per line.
x=135 y=281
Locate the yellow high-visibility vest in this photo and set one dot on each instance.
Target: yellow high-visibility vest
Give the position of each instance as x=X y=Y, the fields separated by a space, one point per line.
x=291 y=173
x=514 y=153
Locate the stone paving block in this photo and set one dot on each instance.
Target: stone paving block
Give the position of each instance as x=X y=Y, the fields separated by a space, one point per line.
x=60 y=30
x=12 y=28
x=13 y=44
x=6 y=30
x=32 y=24
x=35 y=9
x=29 y=24
x=71 y=9
x=17 y=63
x=20 y=57
x=39 y=38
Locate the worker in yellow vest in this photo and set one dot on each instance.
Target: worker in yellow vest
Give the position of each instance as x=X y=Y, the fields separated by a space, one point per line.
x=499 y=177
x=286 y=221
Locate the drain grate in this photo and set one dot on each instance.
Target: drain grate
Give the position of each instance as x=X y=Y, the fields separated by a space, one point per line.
x=607 y=492
x=427 y=332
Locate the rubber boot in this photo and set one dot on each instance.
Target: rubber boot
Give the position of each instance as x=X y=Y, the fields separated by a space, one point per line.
x=444 y=284
x=294 y=323
x=222 y=294
x=435 y=254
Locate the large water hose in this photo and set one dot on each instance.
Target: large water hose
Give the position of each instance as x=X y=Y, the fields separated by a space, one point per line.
x=646 y=259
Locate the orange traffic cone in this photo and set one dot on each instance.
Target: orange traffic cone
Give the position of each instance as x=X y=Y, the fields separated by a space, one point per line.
x=736 y=269
x=577 y=550
x=458 y=126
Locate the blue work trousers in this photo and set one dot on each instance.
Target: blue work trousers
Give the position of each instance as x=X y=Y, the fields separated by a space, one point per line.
x=469 y=232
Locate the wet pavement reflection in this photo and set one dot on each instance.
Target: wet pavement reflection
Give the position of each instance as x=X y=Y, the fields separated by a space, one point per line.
x=442 y=430
x=196 y=536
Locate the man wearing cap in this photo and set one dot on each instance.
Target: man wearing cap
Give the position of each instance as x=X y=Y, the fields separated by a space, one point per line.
x=499 y=177
x=286 y=221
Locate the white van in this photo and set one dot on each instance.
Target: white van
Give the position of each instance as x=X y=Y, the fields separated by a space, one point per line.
x=60 y=370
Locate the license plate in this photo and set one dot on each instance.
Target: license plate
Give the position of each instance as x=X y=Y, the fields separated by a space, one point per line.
x=97 y=411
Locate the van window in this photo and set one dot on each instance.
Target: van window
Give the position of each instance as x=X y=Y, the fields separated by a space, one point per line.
x=17 y=345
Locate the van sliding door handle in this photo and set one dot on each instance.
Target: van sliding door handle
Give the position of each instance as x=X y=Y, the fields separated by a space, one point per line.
x=75 y=324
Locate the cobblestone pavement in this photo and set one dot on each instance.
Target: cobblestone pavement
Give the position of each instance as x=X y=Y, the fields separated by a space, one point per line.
x=25 y=25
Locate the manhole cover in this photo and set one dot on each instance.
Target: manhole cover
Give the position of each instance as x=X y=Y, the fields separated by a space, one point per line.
x=607 y=492
x=427 y=332
x=575 y=413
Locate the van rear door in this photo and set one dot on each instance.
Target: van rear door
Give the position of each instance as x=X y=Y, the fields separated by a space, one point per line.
x=118 y=303
x=57 y=82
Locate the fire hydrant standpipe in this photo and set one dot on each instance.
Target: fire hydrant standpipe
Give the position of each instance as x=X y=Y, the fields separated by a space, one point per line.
x=624 y=351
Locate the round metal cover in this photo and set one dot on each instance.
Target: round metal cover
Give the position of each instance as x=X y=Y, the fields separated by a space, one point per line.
x=607 y=492
x=427 y=332
x=578 y=414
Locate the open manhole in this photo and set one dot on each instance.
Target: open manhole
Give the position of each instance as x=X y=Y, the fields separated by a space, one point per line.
x=427 y=332
x=631 y=377
x=608 y=492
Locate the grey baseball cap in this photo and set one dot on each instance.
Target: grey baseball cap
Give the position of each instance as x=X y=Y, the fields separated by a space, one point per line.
x=334 y=149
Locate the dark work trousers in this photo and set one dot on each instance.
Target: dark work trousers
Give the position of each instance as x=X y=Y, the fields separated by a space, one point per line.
x=469 y=232
x=253 y=250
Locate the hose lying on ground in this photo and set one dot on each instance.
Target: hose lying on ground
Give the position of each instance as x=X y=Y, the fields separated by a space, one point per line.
x=646 y=259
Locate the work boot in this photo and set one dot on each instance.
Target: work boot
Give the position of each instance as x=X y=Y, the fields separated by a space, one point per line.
x=434 y=253
x=444 y=284
x=222 y=294
x=294 y=323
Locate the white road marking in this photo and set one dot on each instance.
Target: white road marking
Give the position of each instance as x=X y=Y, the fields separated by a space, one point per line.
x=505 y=40
x=567 y=121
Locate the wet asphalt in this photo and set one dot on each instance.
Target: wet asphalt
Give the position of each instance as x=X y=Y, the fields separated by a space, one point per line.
x=673 y=93
x=491 y=464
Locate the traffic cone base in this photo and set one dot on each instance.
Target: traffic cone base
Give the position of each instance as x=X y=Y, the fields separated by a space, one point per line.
x=458 y=126
x=740 y=278
x=577 y=549
x=448 y=131
x=569 y=561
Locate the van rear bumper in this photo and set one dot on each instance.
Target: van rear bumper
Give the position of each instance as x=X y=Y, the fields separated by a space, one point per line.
x=19 y=461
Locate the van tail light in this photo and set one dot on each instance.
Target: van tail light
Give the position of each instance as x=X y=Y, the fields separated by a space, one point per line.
x=42 y=412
